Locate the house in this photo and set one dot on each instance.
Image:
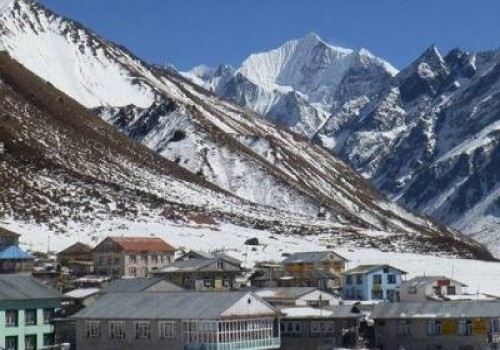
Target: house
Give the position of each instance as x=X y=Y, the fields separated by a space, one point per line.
x=78 y=258
x=8 y=238
x=371 y=282
x=297 y=296
x=467 y=325
x=27 y=307
x=266 y=275
x=178 y=320
x=423 y=288
x=136 y=285
x=330 y=327
x=203 y=274
x=15 y=260
x=313 y=269
x=131 y=256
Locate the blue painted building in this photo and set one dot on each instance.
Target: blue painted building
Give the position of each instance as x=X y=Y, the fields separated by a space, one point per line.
x=371 y=282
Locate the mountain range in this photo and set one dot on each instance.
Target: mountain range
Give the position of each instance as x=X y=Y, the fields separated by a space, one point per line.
x=426 y=136
x=92 y=132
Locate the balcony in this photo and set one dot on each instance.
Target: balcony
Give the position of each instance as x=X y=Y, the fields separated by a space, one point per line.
x=257 y=344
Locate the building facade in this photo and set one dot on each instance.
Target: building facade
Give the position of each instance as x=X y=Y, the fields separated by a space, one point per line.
x=326 y=328
x=215 y=273
x=131 y=256
x=178 y=320
x=372 y=282
x=424 y=288
x=26 y=311
x=313 y=269
x=447 y=325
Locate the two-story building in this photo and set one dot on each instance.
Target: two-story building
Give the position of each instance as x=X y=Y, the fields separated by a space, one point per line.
x=313 y=269
x=447 y=325
x=213 y=272
x=372 y=282
x=178 y=320
x=131 y=256
x=12 y=258
x=27 y=307
x=425 y=288
x=78 y=258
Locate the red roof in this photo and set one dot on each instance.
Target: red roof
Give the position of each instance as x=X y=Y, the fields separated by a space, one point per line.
x=142 y=244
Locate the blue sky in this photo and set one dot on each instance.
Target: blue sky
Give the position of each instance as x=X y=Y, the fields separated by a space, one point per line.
x=189 y=32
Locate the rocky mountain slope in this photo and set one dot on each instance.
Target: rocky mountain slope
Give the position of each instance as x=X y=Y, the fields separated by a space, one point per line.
x=240 y=168
x=428 y=136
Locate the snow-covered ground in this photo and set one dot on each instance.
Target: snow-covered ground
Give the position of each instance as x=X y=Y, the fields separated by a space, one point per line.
x=480 y=276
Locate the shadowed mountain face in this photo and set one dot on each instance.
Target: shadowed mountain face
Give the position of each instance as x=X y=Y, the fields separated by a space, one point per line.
x=211 y=158
x=427 y=136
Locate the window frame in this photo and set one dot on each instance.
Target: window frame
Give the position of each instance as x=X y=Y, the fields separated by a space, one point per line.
x=162 y=329
x=33 y=321
x=114 y=326
x=142 y=329
x=92 y=329
x=16 y=318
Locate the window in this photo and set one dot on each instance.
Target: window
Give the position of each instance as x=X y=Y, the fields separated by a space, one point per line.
x=377 y=294
x=464 y=327
x=30 y=342
x=144 y=271
x=11 y=343
x=117 y=329
x=322 y=327
x=433 y=327
x=359 y=279
x=48 y=315
x=377 y=279
x=404 y=327
x=132 y=271
x=451 y=290
x=391 y=278
x=390 y=295
x=348 y=279
x=48 y=339
x=226 y=282
x=144 y=259
x=92 y=329
x=291 y=327
x=219 y=265
x=11 y=318
x=132 y=259
x=142 y=329
x=154 y=259
x=207 y=283
x=30 y=317
x=167 y=329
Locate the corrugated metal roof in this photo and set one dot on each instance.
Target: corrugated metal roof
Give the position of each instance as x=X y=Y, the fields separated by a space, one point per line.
x=191 y=265
x=439 y=309
x=172 y=305
x=15 y=253
x=361 y=269
x=311 y=257
x=423 y=280
x=25 y=287
x=135 y=285
x=290 y=293
x=77 y=248
x=331 y=312
x=142 y=244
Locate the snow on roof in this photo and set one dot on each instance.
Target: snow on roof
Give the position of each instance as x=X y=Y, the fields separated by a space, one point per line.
x=336 y=311
x=81 y=293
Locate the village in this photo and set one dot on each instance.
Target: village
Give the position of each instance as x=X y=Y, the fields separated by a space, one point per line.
x=143 y=293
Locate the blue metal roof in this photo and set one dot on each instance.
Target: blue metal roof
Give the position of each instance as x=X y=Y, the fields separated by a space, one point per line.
x=14 y=253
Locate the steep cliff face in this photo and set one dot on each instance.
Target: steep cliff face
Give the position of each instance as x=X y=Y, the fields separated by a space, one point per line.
x=426 y=136
x=211 y=156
